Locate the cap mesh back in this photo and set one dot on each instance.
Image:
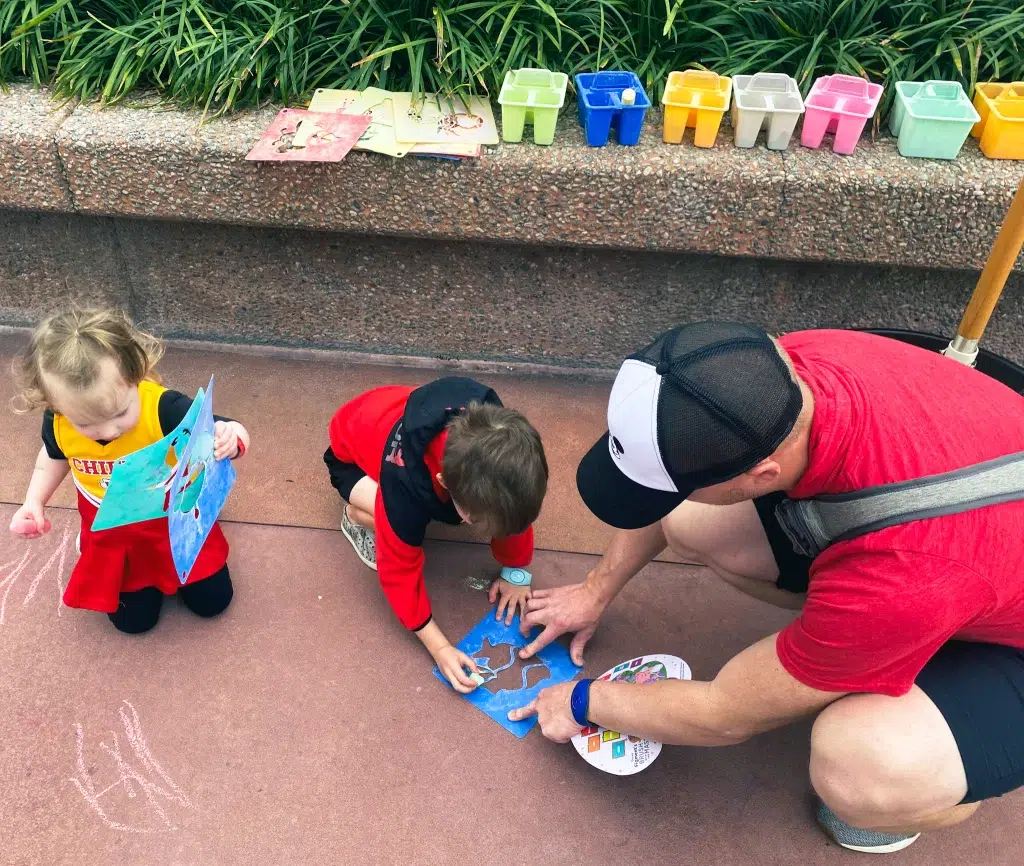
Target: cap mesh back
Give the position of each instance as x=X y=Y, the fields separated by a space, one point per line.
x=727 y=400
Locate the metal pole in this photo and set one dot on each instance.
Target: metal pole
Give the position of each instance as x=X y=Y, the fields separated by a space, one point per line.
x=1005 y=250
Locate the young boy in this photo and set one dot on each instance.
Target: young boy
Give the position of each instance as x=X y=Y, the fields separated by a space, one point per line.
x=401 y=457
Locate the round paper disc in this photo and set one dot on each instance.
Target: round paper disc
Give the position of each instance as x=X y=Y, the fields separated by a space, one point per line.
x=617 y=753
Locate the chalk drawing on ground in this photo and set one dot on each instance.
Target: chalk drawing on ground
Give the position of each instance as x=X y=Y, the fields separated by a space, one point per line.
x=12 y=572
x=143 y=775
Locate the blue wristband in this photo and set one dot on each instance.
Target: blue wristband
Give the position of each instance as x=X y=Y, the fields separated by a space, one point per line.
x=579 y=703
x=516 y=576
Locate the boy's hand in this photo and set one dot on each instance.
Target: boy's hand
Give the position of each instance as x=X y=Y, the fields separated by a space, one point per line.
x=452 y=663
x=227 y=438
x=511 y=597
x=30 y=521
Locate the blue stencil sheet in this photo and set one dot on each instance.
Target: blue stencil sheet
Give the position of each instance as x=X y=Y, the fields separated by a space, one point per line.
x=142 y=482
x=554 y=658
x=201 y=487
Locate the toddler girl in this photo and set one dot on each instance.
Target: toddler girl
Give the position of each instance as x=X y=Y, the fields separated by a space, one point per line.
x=93 y=374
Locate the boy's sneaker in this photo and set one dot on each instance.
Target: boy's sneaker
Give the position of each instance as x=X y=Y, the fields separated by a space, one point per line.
x=361 y=540
x=865 y=841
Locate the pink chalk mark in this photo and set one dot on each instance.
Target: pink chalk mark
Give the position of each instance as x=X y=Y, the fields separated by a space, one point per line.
x=61 y=551
x=9 y=582
x=130 y=777
x=7 y=565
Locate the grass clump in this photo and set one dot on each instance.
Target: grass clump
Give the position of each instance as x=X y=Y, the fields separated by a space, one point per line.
x=221 y=55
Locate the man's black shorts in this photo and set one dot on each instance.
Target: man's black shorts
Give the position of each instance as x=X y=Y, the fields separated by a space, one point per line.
x=978 y=688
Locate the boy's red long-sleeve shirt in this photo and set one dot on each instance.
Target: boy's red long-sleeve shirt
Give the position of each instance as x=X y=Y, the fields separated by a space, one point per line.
x=396 y=435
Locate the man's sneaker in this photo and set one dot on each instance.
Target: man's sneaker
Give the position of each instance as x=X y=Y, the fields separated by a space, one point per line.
x=361 y=540
x=865 y=841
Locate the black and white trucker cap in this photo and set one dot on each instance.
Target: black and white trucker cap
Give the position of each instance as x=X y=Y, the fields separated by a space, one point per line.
x=701 y=405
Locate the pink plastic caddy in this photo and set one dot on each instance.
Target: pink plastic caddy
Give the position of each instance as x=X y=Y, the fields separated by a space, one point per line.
x=841 y=104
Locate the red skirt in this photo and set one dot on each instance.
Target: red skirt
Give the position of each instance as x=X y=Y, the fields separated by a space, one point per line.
x=128 y=558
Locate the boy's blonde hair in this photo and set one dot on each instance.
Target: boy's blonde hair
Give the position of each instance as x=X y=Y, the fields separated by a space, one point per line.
x=70 y=347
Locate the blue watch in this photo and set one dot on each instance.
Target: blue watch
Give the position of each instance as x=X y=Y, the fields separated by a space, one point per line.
x=579 y=703
x=516 y=576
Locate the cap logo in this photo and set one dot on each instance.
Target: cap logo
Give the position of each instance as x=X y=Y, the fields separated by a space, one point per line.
x=617 y=449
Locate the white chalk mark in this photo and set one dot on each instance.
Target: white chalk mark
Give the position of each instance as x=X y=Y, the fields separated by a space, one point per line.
x=9 y=582
x=130 y=778
x=61 y=551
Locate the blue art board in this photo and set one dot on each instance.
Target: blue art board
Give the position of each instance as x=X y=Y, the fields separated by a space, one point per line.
x=177 y=478
x=554 y=657
x=201 y=488
x=142 y=482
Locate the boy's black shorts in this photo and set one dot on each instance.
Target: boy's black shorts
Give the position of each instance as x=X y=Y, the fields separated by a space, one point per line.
x=978 y=687
x=344 y=476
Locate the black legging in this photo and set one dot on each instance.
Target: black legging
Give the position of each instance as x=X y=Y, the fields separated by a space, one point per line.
x=139 y=611
x=344 y=476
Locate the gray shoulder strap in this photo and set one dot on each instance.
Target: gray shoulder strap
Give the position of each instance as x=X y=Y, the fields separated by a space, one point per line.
x=814 y=524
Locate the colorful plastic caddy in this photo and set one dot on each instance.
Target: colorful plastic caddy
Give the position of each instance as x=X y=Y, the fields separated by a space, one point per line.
x=1000 y=129
x=769 y=101
x=931 y=120
x=841 y=104
x=698 y=99
x=531 y=96
x=601 y=107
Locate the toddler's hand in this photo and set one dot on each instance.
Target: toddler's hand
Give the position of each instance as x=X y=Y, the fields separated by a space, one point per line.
x=30 y=521
x=452 y=663
x=511 y=596
x=225 y=440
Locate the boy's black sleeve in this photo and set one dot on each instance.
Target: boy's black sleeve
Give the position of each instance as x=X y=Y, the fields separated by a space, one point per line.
x=50 y=438
x=173 y=407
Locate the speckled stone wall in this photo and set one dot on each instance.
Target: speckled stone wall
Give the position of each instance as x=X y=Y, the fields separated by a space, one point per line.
x=874 y=206
x=447 y=299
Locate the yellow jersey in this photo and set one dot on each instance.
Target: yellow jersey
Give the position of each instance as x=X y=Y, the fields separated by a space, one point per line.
x=92 y=463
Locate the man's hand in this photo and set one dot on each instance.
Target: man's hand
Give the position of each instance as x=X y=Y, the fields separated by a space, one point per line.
x=226 y=438
x=30 y=521
x=575 y=608
x=452 y=663
x=509 y=597
x=552 y=709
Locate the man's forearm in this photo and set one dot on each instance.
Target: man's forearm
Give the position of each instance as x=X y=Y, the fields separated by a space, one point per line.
x=629 y=551
x=753 y=693
x=677 y=712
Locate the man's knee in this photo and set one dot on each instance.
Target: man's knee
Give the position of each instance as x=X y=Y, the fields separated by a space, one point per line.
x=848 y=766
x=872 y=764
x=679 y=535
x=725 y=537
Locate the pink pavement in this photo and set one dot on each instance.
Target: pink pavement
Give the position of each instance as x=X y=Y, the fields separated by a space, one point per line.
x=305 y=726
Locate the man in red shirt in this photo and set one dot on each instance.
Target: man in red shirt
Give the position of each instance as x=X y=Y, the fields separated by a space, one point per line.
x=909 y=645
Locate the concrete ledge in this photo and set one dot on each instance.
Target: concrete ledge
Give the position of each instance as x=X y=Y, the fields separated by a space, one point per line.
x=872 y=207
